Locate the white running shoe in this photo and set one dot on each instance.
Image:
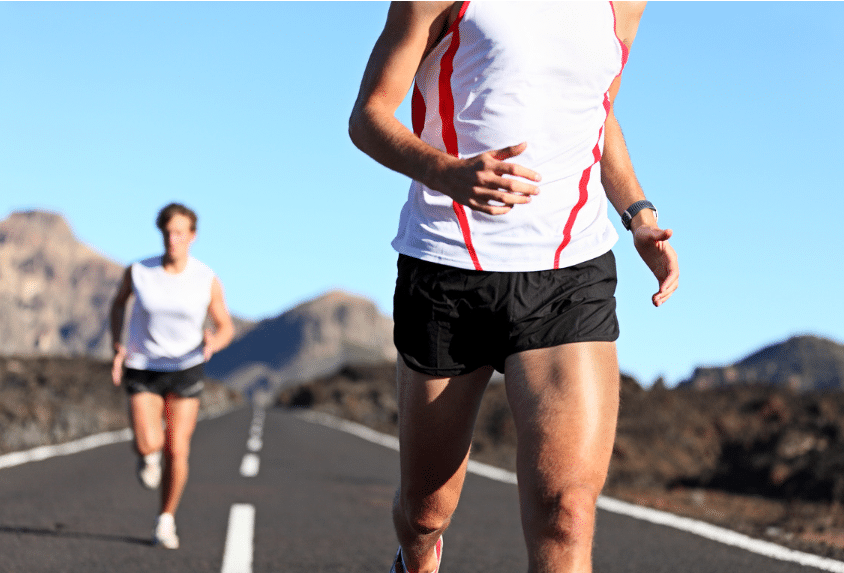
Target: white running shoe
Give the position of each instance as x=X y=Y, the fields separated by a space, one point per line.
x=165 y=532
x=149 y=470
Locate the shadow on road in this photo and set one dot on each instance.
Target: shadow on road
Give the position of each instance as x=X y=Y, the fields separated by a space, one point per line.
x=61 y=532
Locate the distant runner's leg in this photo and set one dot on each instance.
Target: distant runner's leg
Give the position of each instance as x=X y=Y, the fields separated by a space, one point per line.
x=147 y=411
x=436 y=419
x=565 y=404
x=181 y=416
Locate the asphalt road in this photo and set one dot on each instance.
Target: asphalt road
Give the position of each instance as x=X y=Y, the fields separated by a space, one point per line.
x=321 y=502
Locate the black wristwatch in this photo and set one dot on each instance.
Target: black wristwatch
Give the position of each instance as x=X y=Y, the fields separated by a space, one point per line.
x=631 y=211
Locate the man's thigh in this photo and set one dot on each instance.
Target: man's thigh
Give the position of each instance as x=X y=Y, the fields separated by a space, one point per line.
x=181 y=414
x=565 y=405
x=436 y=419
x=147 y=413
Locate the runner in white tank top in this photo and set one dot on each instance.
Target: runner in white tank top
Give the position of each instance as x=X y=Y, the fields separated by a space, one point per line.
x=505 y=73
x=515 y=154
x=164 y=357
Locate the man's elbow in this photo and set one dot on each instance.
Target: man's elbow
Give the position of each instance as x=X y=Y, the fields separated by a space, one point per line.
x=362 y=124
x=356 y=129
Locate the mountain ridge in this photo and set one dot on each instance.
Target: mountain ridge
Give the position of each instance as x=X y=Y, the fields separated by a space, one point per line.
x=802 y=362
x=313 y=338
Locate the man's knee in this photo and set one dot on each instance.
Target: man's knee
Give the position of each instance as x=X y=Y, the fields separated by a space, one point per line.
x=148 y=442
x=177 y=449
x=425 y=515
x=566 y=515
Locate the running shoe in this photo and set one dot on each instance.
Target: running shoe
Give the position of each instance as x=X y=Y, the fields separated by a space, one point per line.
x=149 y=470
x=398 y=565
x=165 y=532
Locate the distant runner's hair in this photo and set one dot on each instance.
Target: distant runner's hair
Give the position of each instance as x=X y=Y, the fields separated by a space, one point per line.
x=170 y=211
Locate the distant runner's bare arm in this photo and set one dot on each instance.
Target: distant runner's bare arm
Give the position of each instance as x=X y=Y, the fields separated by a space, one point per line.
x=223 y=333
x=118 y=312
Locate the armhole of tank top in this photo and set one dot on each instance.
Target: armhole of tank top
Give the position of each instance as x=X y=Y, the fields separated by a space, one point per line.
x=131 y=278
x=449 y=28
x=625 y=51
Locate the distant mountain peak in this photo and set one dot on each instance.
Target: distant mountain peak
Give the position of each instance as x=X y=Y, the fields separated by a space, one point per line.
x=803 y=362
x=55 y=292
x=31 y=226
x=312 y=339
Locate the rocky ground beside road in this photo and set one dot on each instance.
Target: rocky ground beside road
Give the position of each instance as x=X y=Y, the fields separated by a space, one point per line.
x=763 y=461
x=53 y=400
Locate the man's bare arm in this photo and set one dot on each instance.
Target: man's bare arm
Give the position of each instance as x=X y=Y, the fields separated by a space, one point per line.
x=411 y=30
x=622 y=186
x=223 y=332
x=118 y=312
x=617 y=172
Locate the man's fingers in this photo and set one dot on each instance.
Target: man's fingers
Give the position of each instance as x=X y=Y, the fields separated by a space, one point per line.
x=485 y=196
x=655 y=234
x=508 y=152
x=514 y=169
x=489 y=208
x=667 y=287
x=507 y=185
x=515 y=186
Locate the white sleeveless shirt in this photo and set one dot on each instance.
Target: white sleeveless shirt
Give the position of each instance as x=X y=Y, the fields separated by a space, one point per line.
x=165 y=331
x=504 y=73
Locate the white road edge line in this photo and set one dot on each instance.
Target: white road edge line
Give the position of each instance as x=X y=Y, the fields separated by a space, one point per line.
x=237 y=555
x=74 y=447
x=700 y=528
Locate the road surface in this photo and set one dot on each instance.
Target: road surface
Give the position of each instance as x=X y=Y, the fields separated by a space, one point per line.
x=321 y=503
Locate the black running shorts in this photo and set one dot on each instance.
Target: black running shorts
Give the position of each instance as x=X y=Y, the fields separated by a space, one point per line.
x=451 y=321
x=183 y=383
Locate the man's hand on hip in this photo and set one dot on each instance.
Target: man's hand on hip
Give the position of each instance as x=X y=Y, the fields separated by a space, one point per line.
x=486 y=182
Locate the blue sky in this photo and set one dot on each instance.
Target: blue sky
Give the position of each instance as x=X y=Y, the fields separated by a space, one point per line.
x=108 y=111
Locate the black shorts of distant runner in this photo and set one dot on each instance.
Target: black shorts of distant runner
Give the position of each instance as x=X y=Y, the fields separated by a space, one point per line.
x=186 y=383
x=451 y=321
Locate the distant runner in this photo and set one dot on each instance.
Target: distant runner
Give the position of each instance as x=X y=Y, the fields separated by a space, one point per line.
x=165 y=355
x=505 y=257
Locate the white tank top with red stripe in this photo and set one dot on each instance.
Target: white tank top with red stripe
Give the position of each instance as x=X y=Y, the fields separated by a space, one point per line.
x=504 y=73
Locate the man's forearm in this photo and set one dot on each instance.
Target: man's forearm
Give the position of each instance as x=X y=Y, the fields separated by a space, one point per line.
x=117 y=315
x=390 y=143
x=618 y=177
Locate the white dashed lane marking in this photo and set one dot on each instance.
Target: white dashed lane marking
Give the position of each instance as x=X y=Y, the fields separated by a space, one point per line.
x=251 y=463
x=237 y=556
x=239 y=550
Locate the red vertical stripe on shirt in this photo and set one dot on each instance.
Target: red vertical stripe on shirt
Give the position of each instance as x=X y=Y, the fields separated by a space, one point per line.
x=596 y=155
x=581 y=201
x=449 y=133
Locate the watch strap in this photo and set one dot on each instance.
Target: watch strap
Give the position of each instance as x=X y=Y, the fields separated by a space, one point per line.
x=632 y=210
